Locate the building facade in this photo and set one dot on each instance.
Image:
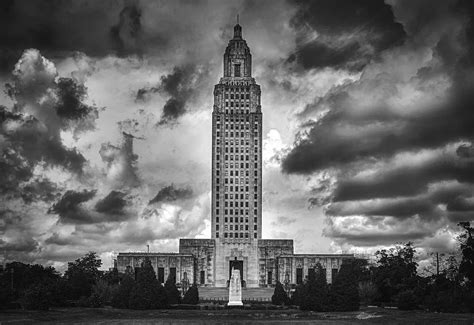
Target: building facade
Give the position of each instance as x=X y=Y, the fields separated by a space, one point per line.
x=236 y=217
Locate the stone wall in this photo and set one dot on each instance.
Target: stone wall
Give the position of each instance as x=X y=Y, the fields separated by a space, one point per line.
x=203 y=251
x=128 y=262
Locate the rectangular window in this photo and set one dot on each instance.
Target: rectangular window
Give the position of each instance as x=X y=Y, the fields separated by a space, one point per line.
x=333 y=275
x=299 y=276
x=161 y=274
x=217 y=235
x=172 y=274
x=269 y=277
x=203 y=277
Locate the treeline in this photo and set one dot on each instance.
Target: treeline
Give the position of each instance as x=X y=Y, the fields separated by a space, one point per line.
x=83 y=284
x=392 y=281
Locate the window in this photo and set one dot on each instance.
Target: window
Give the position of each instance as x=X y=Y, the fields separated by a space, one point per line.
x=237 y=70
x=333 y=275
x=161 y=274
x=269 y=277
x=299 y=276
x=217 y=235
x=173 y=274
x=203 y=277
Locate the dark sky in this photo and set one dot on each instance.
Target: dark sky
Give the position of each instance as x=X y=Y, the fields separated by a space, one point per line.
x=105 y=122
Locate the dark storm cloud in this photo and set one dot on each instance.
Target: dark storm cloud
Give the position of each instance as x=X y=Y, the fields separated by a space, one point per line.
x=69 y=206
x=350 y=33
x=404 y=181
x=180 y=85
x=398 y=141
x=56 y=26
x=71 y=95
x=39 y=189
x=128 y=32
x=113 y=203
x=171 y=193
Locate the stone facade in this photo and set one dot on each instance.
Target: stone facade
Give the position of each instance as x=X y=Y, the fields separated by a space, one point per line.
x=236 y=214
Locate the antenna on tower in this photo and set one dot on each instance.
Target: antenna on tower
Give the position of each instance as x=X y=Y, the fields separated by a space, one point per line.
x=237 y=19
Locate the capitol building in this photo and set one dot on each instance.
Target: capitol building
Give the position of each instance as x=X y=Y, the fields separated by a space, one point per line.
x=236 y=218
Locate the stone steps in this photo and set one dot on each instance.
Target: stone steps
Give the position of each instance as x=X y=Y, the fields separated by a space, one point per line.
x=219 y=294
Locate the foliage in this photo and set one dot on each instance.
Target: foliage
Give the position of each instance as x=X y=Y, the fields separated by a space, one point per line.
x=279 y=296
x=367 y=292
x=296 y=297
x=396 y=271
x=172 y=293
x=121 y=297
x=314 y=295
x=344 y=293
x=37 y=297
x=466 y=268
x=191 y=296
x=406 y=300
x=82 y=274
x=147 y=293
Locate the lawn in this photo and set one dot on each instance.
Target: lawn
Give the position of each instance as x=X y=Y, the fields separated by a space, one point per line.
x=226 y=316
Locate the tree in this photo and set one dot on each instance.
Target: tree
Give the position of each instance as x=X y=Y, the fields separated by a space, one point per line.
x=172 y=293
x=147 y=293
x=279 y=296
x=121 y=297
x=314 y=295
x=36 y=297
x=396 y=271
x=466 y=267
x=82 y=274
x=191 y=296
x=344 y=294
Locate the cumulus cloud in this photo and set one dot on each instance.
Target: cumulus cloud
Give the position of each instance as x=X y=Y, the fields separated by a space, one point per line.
x=121 y=162
x=113 y=203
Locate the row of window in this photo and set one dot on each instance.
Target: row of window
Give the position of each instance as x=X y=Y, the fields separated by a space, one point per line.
x=237 y=89
x=218 y=142
x=237 y=96
x=236 y=173
x=237 y=134
x=238 y=149
x=236 y=235
x=234 y=189
x=231 y=203
x=231 y=195
x=237 y=104
x=231 y=211
x=218 y=165
x=236 y=118
x=236 y=219
x=235 y=126
x=231 y=157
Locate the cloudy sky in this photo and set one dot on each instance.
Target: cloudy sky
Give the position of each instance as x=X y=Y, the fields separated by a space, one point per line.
x=105 y=122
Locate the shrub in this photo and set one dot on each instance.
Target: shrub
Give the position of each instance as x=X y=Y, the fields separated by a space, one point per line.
x=147 y=293
x=37 y=297
x=367 y=292
x=344 y=293
x=279 y=296
x=192 y=295
x=121 y=297
x=407 y=300
x=314 y=294
x=172 y=293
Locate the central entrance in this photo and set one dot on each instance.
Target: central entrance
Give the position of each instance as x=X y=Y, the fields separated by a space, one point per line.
x=237 y=265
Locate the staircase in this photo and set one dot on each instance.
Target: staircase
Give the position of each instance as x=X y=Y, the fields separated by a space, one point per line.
x=222 y=294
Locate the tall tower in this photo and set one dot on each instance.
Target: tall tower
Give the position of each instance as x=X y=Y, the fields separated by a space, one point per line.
x=237 y=148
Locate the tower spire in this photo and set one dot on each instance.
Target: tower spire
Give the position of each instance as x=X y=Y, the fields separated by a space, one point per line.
x=237 y=19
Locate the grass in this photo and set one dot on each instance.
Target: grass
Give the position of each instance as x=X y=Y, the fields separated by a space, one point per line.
x=228 y=316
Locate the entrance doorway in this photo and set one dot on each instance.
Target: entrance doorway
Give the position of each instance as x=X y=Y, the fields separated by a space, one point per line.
x=237 y=265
